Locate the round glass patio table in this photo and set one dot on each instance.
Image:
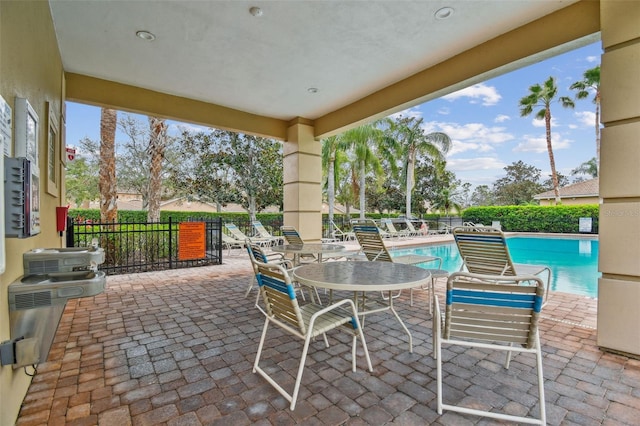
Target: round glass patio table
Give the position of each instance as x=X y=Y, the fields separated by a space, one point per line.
x=309 y=248
x=363 y=277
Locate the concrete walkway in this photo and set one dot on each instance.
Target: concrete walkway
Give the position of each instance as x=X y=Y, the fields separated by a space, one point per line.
x=177 y=347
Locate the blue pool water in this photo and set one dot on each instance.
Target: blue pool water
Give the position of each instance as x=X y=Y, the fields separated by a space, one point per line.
x=573 y=261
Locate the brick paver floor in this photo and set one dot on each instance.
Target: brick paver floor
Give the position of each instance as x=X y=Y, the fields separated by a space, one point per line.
x=177 y=348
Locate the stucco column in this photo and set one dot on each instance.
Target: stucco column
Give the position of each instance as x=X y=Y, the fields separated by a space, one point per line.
x=619 y=262
x=302 y=180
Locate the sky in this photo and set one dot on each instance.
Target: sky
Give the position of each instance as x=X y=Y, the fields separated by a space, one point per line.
x=483 y=121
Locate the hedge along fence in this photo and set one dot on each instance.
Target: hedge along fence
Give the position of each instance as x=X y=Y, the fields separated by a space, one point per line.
x=554 y=219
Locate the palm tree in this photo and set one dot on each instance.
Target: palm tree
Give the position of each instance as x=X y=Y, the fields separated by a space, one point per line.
x=412 y=141
x=362 y=140
x=157 y=144
x=590 y=83
x=541 y=97
x=444 y=201
x=107 y=183
x=332 y=158
x=589 y=167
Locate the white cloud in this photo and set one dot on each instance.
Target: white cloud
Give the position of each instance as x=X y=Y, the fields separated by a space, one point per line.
x=501 y=118
x=471 y=164
x=593 y=58
x=587 y=118
x=488 y=94
x=444 y=111
x=541 y=123
x=413 y=112
x=180 y=127
x=538 y=144
x=475 y=132
x=470 y=136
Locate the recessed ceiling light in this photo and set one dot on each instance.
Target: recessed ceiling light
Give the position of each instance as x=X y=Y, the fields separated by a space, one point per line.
x=312 y=90
x=255 y=11
x=145 y=35
x=444 y=13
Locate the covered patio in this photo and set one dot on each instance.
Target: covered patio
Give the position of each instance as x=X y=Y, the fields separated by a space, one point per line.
x=177 y=348
x=145 y=353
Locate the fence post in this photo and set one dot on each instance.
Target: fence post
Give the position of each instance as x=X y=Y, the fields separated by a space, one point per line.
x=170 y=243
x=69 y=232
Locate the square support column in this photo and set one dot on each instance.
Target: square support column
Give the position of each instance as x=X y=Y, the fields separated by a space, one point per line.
x=302 y=173
x=619 y=287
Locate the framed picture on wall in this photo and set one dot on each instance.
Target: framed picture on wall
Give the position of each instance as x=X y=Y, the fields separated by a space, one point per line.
x=52 y=151
x=26 y=133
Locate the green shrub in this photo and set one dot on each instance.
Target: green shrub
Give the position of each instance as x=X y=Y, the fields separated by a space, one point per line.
x=555 y=219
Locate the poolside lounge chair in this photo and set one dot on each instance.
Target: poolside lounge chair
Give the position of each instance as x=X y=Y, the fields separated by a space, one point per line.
x=304 y=322
x=411 y=230
x=443 y=228
x=261 y=232
x=340 y=235
x=240 y=236
x=391 y=229
x=484 y=251
x=483 y=312
x=230 y=243
x=373 y=247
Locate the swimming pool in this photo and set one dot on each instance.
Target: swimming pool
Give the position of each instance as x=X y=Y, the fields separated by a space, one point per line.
x=573 y=261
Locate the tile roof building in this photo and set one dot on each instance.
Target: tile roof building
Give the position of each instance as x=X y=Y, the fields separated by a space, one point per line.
x=585 y=192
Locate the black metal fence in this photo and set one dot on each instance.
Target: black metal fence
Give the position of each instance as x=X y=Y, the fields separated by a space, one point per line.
x=144 y=246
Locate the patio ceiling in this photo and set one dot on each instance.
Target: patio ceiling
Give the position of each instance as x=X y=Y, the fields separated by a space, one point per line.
x=267 y=63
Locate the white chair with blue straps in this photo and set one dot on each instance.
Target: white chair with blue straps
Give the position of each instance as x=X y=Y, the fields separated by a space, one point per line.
x=490 y=312
x=305 y=322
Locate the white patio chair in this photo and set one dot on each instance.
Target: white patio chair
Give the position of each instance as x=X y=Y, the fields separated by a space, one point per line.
x=304 y=322
x=484 y=312
x=484 y=250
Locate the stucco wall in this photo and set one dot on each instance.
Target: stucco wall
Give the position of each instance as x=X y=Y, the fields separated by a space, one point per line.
x=570 y=201
x=31 y=68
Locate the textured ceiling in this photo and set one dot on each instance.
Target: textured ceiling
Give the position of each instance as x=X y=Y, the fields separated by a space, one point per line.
x=218 y=52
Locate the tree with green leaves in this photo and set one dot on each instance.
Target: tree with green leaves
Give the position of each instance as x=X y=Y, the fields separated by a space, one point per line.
x=225 y=166
x=519 y=186
x=200 y=172
x=590 y=84
x=362 y=141
x=541 y=96
x=589 y=167
x=81 y=181
x=412 y=142
x=482 y=196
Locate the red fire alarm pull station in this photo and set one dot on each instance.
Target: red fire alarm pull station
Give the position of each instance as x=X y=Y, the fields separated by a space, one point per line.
x=61 y=219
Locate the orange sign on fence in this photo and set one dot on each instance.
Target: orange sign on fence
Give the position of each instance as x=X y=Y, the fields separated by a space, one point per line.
x=191 y=240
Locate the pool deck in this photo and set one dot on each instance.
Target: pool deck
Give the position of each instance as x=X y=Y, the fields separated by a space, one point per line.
x=177 y=347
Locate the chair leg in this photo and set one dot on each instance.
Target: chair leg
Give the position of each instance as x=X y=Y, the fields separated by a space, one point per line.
x=364 y=348
x=296 y=387
x=438 y=352
x=543 y=411
x=253 y=280
x=264 y=334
